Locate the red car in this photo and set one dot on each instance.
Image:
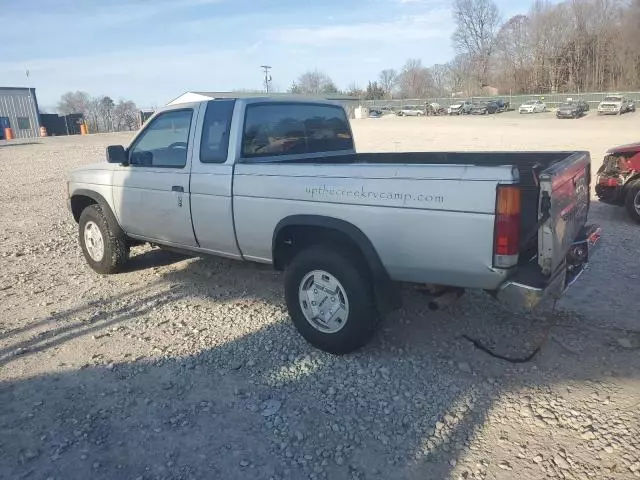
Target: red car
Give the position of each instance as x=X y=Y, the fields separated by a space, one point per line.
x=618 y=181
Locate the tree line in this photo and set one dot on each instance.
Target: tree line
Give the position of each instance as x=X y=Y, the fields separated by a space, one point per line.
x=101 y=113
x=571 y=46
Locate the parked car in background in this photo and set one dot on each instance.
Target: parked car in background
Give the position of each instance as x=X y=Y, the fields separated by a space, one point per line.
x=411 y=111
x=618 y=179
x=493 y=106
x=534 y=106
x=616 y=105
x=436 y=109
x=502 y=105
x=461 y=108
x=572 y=109
x=373 y=113
x=483 y=108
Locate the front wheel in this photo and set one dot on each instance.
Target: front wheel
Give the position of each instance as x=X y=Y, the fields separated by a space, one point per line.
x=632 y=200
x=330 y=300
x=103 y=244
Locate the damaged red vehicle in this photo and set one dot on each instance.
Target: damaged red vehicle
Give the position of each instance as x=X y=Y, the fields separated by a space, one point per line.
x=618 y=181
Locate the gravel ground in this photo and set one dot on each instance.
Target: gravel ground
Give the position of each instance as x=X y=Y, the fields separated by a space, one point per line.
x=187 y=368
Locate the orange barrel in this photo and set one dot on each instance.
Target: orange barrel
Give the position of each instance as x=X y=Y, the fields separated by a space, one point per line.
x=43 y=131
x=8 y=134
x=84 y=130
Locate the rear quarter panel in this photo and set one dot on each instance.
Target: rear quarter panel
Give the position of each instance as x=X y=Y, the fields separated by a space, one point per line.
x=428 y=223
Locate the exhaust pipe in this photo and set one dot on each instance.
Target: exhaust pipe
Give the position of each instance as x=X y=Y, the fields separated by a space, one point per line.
x=445 y=299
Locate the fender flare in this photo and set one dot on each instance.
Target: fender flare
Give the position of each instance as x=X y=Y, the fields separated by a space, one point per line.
x=385 y=288
x=100 y=200
x=351 y=231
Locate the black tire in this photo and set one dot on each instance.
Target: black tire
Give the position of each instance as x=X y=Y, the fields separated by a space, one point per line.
x=116 y=248
x=633 y=196
x=362 y=320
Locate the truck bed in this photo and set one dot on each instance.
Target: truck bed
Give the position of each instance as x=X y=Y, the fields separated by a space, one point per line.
x=528 y=164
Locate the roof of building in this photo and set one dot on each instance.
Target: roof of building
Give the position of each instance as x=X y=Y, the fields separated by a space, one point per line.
x=18 y=88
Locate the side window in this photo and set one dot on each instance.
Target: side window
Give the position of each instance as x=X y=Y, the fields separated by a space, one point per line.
x=286 y=129
x=214 y=144
x=164 y=141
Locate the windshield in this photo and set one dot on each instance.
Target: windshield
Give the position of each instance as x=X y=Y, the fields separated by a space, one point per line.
x=567 y=105
x=612 y=99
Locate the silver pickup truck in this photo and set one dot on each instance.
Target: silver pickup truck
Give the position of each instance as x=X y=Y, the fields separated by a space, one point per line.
x=279 y=182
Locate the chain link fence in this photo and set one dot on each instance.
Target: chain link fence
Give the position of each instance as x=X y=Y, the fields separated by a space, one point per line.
x=551 y=99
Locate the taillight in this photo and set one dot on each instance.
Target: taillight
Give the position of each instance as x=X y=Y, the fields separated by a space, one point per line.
x=609 y=181
x=507 y=227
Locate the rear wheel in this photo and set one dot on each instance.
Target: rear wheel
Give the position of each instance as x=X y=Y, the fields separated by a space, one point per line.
x=330 y=300
x=632 y=200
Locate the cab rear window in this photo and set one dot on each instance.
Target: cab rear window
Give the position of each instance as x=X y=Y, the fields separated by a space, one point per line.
x=276 y=129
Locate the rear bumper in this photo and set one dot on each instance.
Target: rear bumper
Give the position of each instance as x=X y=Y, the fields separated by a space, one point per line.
x=527 y=295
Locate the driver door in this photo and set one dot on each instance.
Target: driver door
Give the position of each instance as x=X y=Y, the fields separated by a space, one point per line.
x=151 y=194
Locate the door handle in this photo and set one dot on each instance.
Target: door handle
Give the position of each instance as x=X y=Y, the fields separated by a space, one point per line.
x=177 y=188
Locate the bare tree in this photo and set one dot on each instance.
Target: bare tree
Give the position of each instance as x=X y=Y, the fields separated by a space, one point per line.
x=440 y=75
x=388 y=80
x=415 y=80
x=374 y=91
x=74 y=102
x=513 y=55
x=477 y=23
x=460 y=77
x=100 y=113
x=125 y=115
x=314 y=83
x=106 y=107
x=354 y=90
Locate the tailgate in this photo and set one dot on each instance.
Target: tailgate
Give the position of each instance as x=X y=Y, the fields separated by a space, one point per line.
x=563 y=206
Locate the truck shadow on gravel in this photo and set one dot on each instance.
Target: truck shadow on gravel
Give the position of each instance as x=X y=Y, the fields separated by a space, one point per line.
x=267 y=405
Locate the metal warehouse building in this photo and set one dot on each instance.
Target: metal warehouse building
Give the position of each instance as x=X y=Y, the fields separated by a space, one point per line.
x=19 y=111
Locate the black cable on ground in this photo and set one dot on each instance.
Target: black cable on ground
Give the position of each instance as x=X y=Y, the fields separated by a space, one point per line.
x=525 y=359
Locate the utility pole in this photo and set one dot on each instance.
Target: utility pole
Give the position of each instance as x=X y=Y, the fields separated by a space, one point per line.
x=267 y=77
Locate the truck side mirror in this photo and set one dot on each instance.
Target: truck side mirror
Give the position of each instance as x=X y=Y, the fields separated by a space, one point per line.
x=117 y=154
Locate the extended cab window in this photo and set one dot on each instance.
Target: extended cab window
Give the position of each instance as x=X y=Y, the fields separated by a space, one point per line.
x=294 y=128
x=164 y=141
x=215 y=131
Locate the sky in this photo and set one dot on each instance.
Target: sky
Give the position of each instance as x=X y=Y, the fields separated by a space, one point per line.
x=153 y=51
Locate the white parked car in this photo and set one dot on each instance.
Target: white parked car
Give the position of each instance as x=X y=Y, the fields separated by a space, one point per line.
x=411 y=111
x=534 y=106
x=616 y=105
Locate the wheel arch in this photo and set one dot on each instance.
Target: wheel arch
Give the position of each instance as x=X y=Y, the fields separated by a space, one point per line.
x=321 y=227
x=82 y=198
